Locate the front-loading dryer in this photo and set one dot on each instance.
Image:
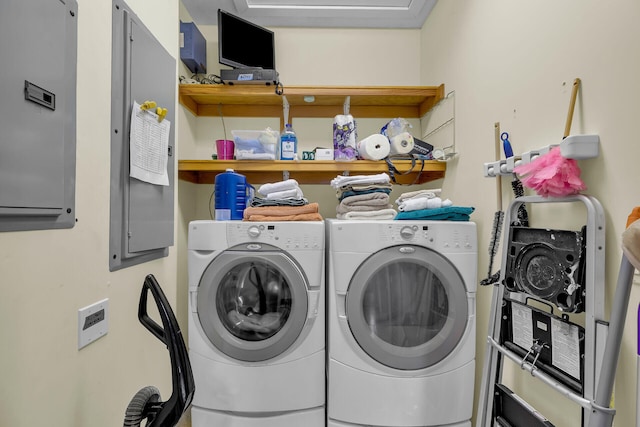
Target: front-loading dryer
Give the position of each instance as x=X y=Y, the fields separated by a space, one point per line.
x=257 y=323
x=401 y=322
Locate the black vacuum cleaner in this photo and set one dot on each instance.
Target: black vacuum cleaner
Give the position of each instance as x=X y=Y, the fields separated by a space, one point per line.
x=146 y=404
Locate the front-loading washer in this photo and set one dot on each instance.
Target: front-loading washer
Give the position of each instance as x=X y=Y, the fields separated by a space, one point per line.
x=401 y=322
x=257 y=323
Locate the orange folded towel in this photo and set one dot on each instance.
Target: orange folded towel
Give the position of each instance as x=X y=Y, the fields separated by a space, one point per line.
x=308 y=212
x=298 y=217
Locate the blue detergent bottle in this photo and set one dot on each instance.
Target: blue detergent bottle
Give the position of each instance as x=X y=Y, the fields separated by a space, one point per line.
x=288 y=143
x=232 y=195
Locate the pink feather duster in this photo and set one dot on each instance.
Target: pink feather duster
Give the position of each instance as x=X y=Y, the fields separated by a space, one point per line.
x=552 y=175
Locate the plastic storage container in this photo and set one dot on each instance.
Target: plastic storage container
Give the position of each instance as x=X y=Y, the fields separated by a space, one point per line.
x=288 y=143
x=256 y=144
x=232 y=195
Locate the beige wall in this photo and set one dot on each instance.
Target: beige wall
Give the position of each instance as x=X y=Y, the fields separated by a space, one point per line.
x=514 y=63
x=508 y=62
x=48 y=275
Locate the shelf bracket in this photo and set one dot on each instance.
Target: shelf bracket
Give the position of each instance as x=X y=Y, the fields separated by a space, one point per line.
x=285 y=175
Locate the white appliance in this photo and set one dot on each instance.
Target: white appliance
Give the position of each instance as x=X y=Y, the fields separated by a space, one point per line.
x=257 y=323
x=401 y=322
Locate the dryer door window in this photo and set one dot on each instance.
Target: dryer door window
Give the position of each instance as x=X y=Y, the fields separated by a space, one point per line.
x=252 y=305
x=407 y=307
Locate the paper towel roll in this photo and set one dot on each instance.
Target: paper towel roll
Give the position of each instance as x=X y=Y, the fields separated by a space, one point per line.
x=344 y=131
x=402 y=143
x=374 y=147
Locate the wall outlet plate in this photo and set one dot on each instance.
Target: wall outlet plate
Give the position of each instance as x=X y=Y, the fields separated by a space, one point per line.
x=93 y=322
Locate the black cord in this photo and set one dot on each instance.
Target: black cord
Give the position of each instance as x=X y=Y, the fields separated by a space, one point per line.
x=214 y=79
x=205 y=79
x=393 y=170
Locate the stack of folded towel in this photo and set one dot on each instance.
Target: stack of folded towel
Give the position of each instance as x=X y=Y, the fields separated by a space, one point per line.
x=281 y=201
x=421 y=199
x=426 y=204
x=363 y=197
x=283 y=190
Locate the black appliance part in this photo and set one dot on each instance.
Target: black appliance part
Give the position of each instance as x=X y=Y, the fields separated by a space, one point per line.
x=146 y=404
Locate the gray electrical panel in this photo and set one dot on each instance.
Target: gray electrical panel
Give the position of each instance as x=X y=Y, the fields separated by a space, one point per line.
x=142 y=218
x=38 y=47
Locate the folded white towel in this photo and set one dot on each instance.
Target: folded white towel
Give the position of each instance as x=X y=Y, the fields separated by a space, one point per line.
x=341 y=180
x=269 y=188
x=379 y=214
x=365 y=187
x=430 y=194
x=423 y=203
x=294 y=193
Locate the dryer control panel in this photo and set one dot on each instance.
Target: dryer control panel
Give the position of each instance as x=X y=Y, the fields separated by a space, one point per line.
x=443 y=236
x=437 y=237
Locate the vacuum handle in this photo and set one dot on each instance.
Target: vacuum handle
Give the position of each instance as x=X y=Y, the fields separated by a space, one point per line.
x=143 y=316
x=181 y=374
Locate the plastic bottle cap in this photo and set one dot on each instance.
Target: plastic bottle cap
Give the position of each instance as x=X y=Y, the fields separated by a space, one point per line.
x=229 y=170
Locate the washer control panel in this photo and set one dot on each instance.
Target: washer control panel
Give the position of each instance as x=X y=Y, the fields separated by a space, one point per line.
x=289 y=236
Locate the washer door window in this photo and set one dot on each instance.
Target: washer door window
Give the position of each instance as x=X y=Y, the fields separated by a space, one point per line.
x=252 y=305
x=407 y=307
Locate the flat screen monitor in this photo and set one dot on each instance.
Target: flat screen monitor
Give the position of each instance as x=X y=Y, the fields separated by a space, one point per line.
x=242 y=44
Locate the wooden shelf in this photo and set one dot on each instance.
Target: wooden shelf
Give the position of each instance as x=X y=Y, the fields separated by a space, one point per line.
x=262 y=101
x=328 y=101
x=305 y=172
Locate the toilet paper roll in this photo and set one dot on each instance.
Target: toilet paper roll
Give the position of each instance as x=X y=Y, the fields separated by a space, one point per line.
x=402 y=143
x=374 y=147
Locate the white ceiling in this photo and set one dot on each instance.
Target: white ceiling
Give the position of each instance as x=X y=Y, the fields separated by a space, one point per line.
x=316 y=13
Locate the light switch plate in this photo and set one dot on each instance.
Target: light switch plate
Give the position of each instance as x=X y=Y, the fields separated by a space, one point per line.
x=93 y=322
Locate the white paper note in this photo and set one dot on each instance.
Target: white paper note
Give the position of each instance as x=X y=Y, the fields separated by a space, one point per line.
x=566 y=347
x=522 y=323
x=148 y=146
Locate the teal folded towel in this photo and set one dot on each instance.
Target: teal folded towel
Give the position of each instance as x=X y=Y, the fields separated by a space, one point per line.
x=448 y=213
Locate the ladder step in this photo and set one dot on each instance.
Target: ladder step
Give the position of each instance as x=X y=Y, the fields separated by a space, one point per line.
x=512 y=411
